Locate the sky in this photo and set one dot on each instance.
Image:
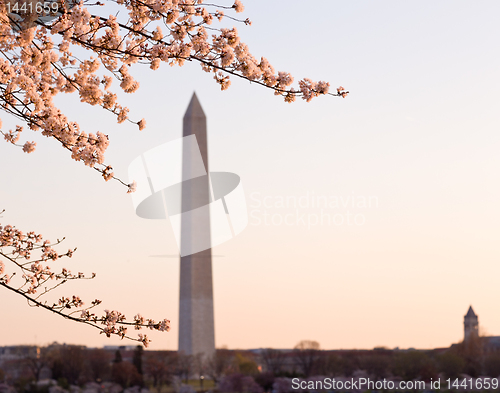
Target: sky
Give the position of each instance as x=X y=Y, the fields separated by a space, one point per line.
x=411 y=157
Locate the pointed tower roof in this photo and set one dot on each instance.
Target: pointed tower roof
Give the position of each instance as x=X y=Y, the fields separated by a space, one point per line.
x=195 y=123
x=470 y=313
x=194 y=109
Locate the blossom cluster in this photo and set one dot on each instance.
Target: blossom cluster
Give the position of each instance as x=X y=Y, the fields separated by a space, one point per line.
x=30 y=255
x=37 y=63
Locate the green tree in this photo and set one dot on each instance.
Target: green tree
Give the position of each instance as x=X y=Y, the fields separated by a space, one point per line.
x=184 y=366
x=376 y=364
x=98 y=364
x=472 y=351
x=492 y=364
x=331 y=365
x=118 y=357
x=272 y=360
x=451 y=364
x=159 y=367
x=411 y=365
x=137 y=359
x=67 y=363
x=37 y=360
x=246 y=365
x=307 y=354
x=126 y=375
x=349 y=363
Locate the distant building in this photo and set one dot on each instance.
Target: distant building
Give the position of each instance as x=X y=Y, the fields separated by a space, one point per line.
x=471 y=325
x=471 y=332
x=16 y=352
x=120 y=347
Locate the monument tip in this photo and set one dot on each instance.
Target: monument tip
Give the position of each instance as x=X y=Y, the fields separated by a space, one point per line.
x=194 y=108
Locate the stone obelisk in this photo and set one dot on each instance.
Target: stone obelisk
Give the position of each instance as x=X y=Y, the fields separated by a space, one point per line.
x=196 y=306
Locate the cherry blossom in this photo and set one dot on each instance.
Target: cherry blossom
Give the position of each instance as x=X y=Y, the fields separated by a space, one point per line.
x=132 y=187
x=29 y=147
x=30 y=255
x=37 y=62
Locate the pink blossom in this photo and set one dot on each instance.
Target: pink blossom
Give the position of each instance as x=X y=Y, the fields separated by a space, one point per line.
x=238 y=7
x=144 y=339
x=29 y=147
x=132 y=187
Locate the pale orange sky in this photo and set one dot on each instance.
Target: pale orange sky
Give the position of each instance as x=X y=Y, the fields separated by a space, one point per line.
x=419 y=132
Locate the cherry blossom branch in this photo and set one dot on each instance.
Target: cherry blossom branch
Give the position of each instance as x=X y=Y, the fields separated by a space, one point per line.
x=38 y=64
x=19 y=249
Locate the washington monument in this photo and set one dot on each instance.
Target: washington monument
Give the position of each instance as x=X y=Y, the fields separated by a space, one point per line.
x=196 y=305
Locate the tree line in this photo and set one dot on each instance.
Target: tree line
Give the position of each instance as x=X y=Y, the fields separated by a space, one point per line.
x=233 y=371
